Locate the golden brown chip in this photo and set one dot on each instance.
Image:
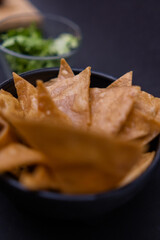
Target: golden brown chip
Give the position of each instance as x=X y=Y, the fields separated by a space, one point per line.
x=146 y=104
x=138 y=168
x=94 y=93
x=157 y=117
x=141 y=123
x=65 y=70
x=9 y=105
x=39 y=179
x=65 y=145
x=136 y=126
x=59 y=86
x=148 y=138
x=83 y=179
x=124 y=81
x=110 y=109
x=46 y=105
x=6 y=133
x=17 y=155
x=27 y=95
x=74 y=100
x=50 y=82
x=64 y=73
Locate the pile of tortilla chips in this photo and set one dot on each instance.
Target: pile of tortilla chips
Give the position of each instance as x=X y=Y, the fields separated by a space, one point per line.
x=64 y=136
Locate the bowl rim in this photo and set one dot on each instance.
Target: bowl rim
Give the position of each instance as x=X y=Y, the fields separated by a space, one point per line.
x=78 y=197
x=54 y=17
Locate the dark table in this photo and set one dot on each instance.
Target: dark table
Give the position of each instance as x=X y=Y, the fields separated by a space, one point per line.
x=118 y=36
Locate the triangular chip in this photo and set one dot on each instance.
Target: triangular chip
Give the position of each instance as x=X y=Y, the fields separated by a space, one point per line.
x=138 y=168
x=65 y=70
x=141 y=123
x=9 y=105
x=47 y=107
x=59 y=86
x=136 y=126
x=74 y=99
x=27 y=95
x=111 y=155
x=110 y=108
x=146 y=104
x=124 y=81
x=17 y=155
x=7 y=134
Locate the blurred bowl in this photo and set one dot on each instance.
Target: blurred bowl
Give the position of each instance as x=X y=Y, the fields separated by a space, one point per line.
x=67 y=206
x=51 y=25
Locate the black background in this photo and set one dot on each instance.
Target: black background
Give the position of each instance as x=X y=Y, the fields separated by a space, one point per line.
x=118 y=36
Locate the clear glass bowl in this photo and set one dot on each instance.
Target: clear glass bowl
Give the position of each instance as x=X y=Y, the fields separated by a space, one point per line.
x=51 y=25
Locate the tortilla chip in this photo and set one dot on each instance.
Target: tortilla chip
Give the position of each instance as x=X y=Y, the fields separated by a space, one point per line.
x=124 y=81
x=141 y=123
x=27 y=95
x=110 y=109
x=157 y=105
x=138 y=169
x=46 y=105
x=149 y=106
x=79 y=147
x=59 y=86
x=136 y=126
x=83 y=179
x=146 y=104
x=74 y=100
x=39 y=179
x=94 y=92
x=65 y=70
x=148 y=138
x=17 y=155
x=64 y=73
x=9 y=105
x=6 y=133
x=50 y=82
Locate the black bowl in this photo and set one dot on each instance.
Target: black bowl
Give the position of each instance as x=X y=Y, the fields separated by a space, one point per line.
x=68 y=206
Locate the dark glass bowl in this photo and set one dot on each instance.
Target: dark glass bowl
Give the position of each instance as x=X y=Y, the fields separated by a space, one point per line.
x=67 y=206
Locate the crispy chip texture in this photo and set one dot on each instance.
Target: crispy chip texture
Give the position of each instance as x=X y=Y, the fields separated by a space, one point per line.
x=27 y=95
x=74 y=99
x=46 y=105
x=124 y=81
x=139 y=168
x=106 y=116
x=64 y=73
x=79 y=147
x=17 y=155
x=65 y=70
x=9 y=105
x=7 y=134
x=136 y=126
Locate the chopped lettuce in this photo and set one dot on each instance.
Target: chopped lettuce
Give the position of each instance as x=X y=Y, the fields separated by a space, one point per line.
x=30 y=41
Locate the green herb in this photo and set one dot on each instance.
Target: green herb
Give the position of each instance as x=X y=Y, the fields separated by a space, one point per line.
x=30 y=41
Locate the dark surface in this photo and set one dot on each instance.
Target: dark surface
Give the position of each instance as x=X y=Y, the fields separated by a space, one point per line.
x=73 y=207
x=118 y=36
